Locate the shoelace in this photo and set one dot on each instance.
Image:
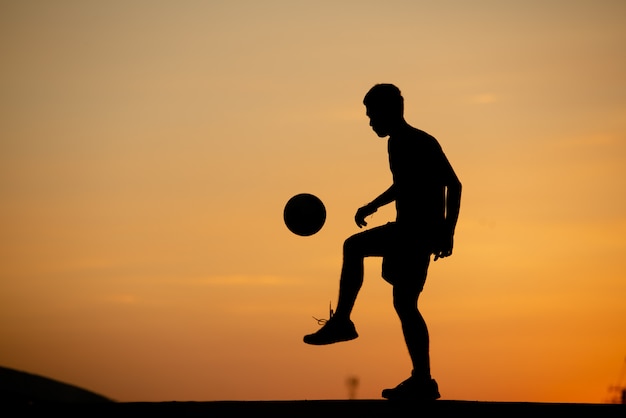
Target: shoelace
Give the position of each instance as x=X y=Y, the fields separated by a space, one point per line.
x=330 y=315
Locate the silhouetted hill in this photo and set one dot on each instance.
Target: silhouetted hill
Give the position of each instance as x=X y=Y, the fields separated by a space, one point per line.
x=24 y=388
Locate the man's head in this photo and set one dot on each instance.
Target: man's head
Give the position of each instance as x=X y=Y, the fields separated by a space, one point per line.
x=385 y=108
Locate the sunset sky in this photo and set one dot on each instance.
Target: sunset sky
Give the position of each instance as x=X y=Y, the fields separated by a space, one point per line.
x=147 y=149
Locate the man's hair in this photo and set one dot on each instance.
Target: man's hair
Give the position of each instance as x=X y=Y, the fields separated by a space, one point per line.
x=385 y=96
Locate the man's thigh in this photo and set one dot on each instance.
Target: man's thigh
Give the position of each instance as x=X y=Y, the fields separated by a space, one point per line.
x=376 y=242
x=405 y=262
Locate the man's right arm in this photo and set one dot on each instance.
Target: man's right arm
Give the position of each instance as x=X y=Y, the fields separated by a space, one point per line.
x=385 y=198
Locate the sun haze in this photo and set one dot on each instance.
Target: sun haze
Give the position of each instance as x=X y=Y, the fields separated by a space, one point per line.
x=147 y=150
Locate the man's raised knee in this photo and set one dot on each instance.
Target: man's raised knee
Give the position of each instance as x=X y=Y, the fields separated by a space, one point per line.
x=350 y=245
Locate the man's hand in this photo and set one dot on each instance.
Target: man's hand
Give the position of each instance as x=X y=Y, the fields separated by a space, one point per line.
x=444 y=245
x=363 y=213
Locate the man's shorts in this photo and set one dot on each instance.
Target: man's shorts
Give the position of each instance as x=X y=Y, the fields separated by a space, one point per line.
x=405 y=254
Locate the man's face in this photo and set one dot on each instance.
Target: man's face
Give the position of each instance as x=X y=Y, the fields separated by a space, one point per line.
x=379 y=121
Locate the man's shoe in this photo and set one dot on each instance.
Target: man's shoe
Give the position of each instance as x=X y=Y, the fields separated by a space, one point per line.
x=334 y=330
x=414 y=389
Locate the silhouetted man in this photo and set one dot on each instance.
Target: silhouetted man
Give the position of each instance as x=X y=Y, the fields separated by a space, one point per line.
x=427 y=195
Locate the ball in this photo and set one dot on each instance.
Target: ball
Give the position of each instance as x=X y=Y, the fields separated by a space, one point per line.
x=304 y=214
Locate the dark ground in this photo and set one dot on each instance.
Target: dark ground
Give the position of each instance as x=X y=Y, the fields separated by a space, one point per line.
x=317 y=409
x=26 y=395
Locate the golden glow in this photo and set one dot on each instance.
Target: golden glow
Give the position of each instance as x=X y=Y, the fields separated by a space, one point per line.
x=147 y=150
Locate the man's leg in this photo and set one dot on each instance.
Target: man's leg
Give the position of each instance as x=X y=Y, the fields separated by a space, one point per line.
x=420 y=385
x=364 y=244
x=355 y=249
x=414 y=329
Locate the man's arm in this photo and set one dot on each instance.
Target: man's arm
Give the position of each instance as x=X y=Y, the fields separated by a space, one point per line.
x=453 y=205
x=385 y=198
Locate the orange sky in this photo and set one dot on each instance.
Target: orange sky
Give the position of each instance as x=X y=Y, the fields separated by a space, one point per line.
x=147 y=150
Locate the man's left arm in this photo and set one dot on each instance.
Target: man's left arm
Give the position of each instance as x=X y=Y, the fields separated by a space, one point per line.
x=453 y=188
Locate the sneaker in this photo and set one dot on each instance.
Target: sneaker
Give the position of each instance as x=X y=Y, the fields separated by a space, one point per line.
x=334 y=330
x=414 y=389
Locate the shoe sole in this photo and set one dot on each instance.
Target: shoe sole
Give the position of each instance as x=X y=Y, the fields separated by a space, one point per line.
x=327 y=342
